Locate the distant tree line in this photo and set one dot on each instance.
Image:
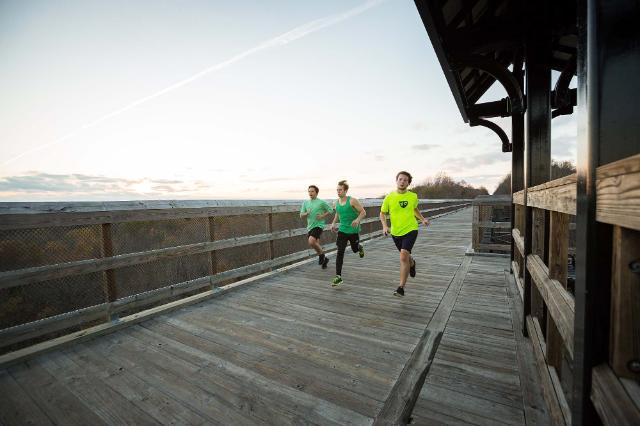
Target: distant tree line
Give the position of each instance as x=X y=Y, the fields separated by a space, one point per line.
x=444 y=186
x=558 y=169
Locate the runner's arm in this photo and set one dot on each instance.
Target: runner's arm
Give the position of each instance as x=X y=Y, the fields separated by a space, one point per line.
x=418 y=215
x=361 y=211
x=333 y=222
x=383 y=220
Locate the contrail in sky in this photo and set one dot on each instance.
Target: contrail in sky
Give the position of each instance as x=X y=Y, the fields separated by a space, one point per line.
x=281 y=40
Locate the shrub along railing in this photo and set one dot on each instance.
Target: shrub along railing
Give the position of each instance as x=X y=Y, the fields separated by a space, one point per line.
x=550 y=324
x=68 y=266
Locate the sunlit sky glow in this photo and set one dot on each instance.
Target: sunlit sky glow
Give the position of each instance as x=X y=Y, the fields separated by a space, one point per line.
x=229 y=100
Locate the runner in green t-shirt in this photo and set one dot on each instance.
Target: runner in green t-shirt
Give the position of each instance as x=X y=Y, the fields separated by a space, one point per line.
x=402 y=207
x=315 y=210
x=350 y=213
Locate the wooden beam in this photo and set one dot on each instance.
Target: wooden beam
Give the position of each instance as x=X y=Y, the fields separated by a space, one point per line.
x=559 y=301
x=556 y=195
x=613 y=404
x=518 y=198
x=551 y=394
x=558 y=258
x=618 y=193
x=517 y=238
x=624 y=340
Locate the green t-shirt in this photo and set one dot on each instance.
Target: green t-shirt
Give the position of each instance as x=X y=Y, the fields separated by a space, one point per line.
x=314 y=207
x=400 y=208
x=347 y=214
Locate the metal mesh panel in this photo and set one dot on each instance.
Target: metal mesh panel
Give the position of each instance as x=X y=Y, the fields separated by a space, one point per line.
x=31 y=302
x=236 y=257
x=150 y=276
x=238 y=226
x=24 y=248
x=134 y=237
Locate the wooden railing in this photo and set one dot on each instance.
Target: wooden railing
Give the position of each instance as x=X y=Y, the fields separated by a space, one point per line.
x=67 y=266
x=491 y=224
x=615 y=391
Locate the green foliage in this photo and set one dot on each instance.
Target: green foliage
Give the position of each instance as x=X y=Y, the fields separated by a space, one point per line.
x=558 y=169
x=444 y=186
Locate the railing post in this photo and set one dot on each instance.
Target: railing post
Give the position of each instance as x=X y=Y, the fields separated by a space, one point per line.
x=213 y=256
x=558 y=257
x=110 y=290
x=538 y=125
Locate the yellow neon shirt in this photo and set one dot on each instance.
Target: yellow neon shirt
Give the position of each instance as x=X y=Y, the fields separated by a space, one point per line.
x=400 y=208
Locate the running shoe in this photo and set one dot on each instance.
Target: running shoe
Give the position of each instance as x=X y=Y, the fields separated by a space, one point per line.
x=399 y=292
x=325 y=262
x=412 y=269
x=337 y=280
x=361 y=251
x=321 y=259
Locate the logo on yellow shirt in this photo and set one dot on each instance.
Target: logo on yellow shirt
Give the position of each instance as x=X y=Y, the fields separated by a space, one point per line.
x=403 y=203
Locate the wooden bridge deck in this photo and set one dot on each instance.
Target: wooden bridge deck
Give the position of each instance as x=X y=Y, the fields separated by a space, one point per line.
x=291 y=349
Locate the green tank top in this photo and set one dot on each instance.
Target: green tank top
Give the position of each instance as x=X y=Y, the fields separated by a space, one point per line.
x=347 y=214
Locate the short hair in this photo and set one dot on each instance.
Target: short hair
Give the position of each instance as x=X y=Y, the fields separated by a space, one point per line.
x=407 y=174
x=314 y=187
x=344 y=184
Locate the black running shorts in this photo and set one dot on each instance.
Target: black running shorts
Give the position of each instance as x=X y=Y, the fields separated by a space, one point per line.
x=405 y=241
x=315 y=232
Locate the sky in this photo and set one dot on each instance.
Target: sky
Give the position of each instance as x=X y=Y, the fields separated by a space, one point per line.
x=155 y=99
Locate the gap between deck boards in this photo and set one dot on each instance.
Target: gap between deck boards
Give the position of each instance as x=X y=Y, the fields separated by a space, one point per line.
x=399 y=405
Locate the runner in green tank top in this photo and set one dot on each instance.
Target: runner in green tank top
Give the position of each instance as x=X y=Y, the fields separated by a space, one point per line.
x=402 y=207
x=350 y=212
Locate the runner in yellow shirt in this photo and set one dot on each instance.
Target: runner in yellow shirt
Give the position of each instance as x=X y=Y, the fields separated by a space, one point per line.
x=402 y=207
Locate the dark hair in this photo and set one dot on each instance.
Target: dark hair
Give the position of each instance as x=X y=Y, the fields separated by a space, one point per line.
x=344 y=184
x=314 y=187
x=407 y=174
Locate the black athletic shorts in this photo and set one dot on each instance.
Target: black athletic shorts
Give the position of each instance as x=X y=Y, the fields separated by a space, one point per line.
x=405 y=241
x=315 y=232
x=352 y=239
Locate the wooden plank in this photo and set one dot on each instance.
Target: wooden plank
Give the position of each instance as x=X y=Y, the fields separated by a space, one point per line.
x=556 y=415
x=156 y=403
x=556 y=195
x=112 y=407
x=16 y=407
x=496 y=247
x=92 y=332
x=624 y=341
x=60 y=405
x=617 y=193
x=44 y=215
x=517 y=276
x=518 y=197
x=532 y=397
x=494 y=225
x=558 y=269
x=518 y=240
x=610 y=399
x=402 y=398
x=559 y=301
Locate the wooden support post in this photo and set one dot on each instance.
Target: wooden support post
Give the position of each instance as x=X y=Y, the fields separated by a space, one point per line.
x=110 y=289
x=608 y=127
x=538 y=123
x=538 y=247
x=213 y=256
x=558 y=257
x=625 y=304
x=475 y=230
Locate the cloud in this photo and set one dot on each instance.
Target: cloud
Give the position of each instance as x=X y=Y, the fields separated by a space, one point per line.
x=425 y=146
x=457 y=164
x=91 y=186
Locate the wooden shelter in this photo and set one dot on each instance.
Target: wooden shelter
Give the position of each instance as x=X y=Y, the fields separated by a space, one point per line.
x=588 y=335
